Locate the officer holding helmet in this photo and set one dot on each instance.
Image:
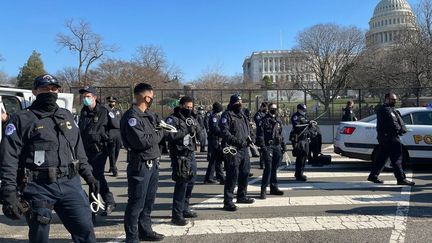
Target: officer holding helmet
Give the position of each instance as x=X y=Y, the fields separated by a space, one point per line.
x=95 y=123
x=300 y=140
x=41 y=156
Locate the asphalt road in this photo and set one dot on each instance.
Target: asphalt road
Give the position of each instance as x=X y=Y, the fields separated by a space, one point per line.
x=336 y=204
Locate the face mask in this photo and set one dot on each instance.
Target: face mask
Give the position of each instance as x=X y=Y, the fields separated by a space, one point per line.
x=236 y=108
x=47 y=101
x=264 y=110
x=150 y=102
x=302 y=113
x=111 y=105
x=392 y=104
x=185 y=112
x=87 y=101
x=273 y=111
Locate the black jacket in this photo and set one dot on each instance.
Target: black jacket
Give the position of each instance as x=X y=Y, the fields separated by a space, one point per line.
x=348 y=114
x=53 y=134
x=139 y=133
x=235 y=129
x=389 y=123
x=269 y=131
x=182 y=142
x=95 y=126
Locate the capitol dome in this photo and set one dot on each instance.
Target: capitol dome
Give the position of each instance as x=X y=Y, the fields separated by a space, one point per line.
x=389 y=19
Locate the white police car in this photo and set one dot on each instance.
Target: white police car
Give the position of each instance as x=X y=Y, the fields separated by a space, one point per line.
x=13 y=100
x=358 y=139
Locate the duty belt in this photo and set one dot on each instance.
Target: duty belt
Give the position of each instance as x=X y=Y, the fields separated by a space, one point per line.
x=272 y=142
x=50 y=174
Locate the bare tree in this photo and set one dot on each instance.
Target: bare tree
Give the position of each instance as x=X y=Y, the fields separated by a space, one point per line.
x=86 y=44
x=68 y=76
x=329 y=52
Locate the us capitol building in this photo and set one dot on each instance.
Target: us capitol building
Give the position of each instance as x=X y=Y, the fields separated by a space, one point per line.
x=390 y=18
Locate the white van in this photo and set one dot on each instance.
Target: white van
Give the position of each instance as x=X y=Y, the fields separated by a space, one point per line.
x=13 y=100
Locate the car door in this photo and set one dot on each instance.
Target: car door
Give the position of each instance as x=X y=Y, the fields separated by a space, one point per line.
x=418 y=139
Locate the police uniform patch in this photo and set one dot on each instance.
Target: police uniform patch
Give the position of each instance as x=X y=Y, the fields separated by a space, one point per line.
x=258 y=117
x=214 y=119
x=295 y=118
x=132 y=122
x=111 y=114
x=224 y=120
x=169 y=120
x=68 y=125
x=10 y=129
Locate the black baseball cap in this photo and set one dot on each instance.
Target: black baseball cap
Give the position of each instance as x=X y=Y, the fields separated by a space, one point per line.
x=234 y=98
x=45 y=80
x=301 y=107
x=111 y=99
x=87 y=89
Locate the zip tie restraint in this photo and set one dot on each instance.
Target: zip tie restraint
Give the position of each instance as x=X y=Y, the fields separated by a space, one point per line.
x=97 y=204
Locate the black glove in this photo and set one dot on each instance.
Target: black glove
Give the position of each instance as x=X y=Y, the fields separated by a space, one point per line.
x=192 y=130
x=11 y=206
x=94 y=186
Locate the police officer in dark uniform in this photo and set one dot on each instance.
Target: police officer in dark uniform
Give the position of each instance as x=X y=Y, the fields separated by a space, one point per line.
x=214 y=147
x=182 y=154
x=115 y=143
x=201 y=116
x=236 y=138
x=270 y=139
x=141 y=138
x=348 y=114
x=41 y=156
x=390 y=127
x=300 y=140
x=95 y=123
x=261 y=113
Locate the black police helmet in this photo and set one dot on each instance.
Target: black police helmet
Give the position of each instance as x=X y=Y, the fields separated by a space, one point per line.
x=301 y=107
x=45 y=80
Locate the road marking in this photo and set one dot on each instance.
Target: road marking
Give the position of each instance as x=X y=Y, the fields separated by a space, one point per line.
x=328 y=185
x=401 y=216
x=317 y=174
x=279 y=224
x=307 y=201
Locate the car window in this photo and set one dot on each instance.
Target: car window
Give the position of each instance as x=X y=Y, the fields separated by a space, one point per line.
x=422 y=118
x=369 y=119
x=11 y=104
x=407 y=119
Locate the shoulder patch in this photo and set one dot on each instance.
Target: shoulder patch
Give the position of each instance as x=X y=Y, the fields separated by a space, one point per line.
x=169 y=120
x=295 y=118
x=214 y=119
x=132 y=122
x=224 y=120
x=10 y=129
x=258 y=117
x=111 y=114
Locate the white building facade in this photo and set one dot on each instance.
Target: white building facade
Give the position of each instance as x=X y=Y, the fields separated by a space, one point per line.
x=390 y=19
x=281 y=66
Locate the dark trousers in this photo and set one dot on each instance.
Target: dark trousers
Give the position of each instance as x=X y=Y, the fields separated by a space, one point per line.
x=389 y=148
x=273 y=157
x=215 y=162
x=183 y=190
x=203 y=140
x=237 y=172
x=142 y=187
x=114 y=151
x=98 y=161
x=69 y=201
x=301 y=158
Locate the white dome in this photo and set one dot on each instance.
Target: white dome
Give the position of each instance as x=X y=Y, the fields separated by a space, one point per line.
x=391 y=6
x=389 y=19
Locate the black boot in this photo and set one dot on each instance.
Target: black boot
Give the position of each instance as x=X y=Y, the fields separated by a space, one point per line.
x=263 y=193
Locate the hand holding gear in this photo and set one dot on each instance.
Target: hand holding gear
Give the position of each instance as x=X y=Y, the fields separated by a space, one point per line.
x=11 y=205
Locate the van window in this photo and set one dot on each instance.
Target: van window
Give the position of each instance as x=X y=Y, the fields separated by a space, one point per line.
x=11 y=104
x=422 y=118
